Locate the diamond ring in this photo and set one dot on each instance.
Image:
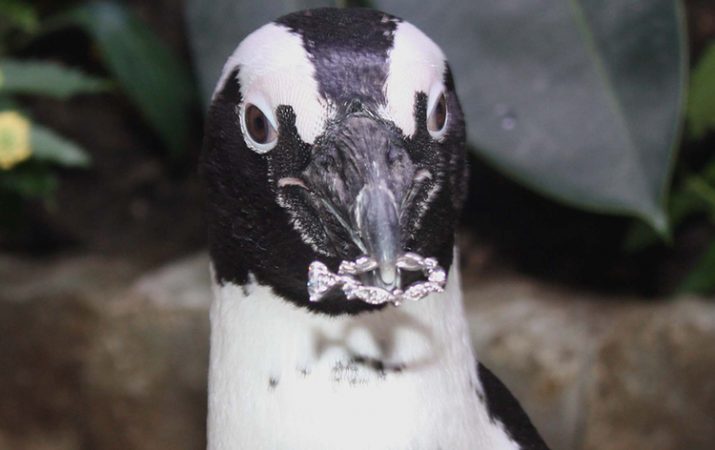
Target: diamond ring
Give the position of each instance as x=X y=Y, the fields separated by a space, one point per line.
x=321 y=280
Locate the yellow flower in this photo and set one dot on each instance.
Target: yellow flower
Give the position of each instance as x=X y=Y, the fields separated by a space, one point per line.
x=14 y=139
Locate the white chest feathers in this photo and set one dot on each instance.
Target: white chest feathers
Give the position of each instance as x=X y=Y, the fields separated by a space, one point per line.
x=282 y=378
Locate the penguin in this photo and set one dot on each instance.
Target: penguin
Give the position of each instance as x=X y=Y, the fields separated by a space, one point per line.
x=333 y=135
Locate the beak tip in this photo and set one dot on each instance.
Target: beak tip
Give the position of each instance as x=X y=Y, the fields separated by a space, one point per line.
x=388 y=273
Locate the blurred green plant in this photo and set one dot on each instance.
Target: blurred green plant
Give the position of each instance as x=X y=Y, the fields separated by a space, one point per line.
x=148 y=72
x=701 y=98
x=29 y=151
x=145 y=70
x=694 y=195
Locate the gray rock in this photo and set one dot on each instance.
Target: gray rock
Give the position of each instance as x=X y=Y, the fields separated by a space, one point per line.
x=597 y=372
x=653 y=386
x=48 y=321
x=92 y=359
x=145 y=373
x=541 y=341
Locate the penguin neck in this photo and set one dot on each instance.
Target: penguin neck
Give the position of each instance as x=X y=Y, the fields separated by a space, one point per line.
x=414 y=335
x=272 y=360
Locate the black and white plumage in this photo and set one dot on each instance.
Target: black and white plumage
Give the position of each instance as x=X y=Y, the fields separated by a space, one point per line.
x=335 y=133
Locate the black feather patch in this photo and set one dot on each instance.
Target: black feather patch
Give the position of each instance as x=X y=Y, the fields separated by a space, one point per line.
x=349 y=49
x=503 y=407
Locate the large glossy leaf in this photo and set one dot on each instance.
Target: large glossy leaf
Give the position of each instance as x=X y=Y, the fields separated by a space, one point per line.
x=217 y=26
x=579 y=99
x=46 y=78
x=150 y=74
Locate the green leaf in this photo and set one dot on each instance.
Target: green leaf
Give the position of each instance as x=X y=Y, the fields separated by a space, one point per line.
x=217 y=26
x=30 y=182
x=682 y=204
x=7 y=103
x=46 y=78
x=695 y=196
x=701 y=280
x=577 y=99
x=701 y=98
x=18 y=14
x=50 y=147
x=150 y=74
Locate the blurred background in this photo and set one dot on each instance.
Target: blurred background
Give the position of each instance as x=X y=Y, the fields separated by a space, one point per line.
x=587 y=243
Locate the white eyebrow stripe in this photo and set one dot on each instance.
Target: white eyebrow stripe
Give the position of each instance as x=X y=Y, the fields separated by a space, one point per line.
x=416 y=64
x=274 y=65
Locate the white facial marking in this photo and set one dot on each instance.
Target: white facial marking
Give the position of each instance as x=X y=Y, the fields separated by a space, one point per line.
x=274 y=69
x=417 y=64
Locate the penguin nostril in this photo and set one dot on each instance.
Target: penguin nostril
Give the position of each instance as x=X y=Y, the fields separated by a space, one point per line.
x=394 y=155
x=354 y=106
x=325 y=161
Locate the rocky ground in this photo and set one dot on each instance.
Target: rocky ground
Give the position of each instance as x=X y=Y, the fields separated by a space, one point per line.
x=94 y=355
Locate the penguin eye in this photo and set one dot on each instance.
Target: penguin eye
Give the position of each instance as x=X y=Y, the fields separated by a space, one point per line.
x=259 y=129
x=437 y=118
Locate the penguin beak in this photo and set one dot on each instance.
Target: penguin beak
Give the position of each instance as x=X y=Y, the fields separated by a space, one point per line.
x=362 y=173
x=378 y=224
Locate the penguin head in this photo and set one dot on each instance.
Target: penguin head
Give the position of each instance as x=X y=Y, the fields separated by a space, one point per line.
x=332 y=134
